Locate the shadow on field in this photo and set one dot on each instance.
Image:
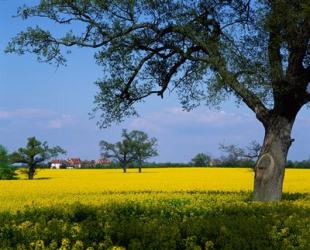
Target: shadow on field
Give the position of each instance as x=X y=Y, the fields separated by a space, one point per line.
x=34 y=179
x=42 y=178
x=132 y=173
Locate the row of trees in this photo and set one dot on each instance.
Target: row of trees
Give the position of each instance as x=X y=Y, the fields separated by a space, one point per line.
x=235 y=156
x=134 y=148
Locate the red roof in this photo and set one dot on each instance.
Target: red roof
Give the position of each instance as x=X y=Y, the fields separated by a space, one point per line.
x=75 y=161
x=103 y=161
x=56 y=161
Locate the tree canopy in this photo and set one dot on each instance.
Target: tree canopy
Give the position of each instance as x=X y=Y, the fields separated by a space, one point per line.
x=143 y=147
x=203 y=50
x=35 y=153
x=120 y=152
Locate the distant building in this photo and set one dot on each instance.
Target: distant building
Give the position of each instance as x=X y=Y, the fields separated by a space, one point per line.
x=77 y=163
x=74 y=162
x=58 y=164
x=103 y=161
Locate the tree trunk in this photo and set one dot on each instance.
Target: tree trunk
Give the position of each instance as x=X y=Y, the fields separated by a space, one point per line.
x=31 y=173
x=270 y=166
x=124 y=170
x=140 y=169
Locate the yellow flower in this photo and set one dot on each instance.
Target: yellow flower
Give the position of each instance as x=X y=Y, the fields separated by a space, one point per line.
x=98 y=186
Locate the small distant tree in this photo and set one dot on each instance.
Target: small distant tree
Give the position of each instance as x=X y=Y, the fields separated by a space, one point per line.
x=135 y=147
x=35 y=153
x=120 y=152
x=237 y=155
x=201 y=160
x=143 y=147
x=6 y=171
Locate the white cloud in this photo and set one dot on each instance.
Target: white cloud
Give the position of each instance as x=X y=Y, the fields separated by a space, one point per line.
x=174 y=116
x=59 y=122
x=4 y=115
x=146 y=124
x=38 y=117
x=208 y=117
x=25 y=113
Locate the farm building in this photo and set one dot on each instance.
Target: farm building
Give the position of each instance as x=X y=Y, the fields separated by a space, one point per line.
x=103 y=161
x=58 y=164
x=74 y=163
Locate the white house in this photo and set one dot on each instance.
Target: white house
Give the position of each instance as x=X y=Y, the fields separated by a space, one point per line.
x=56 y=164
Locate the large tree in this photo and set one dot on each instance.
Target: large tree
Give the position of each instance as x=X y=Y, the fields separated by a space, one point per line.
x=205 y=50
x=35 y=153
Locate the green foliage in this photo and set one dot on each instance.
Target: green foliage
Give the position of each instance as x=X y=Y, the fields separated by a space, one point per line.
x=143 y=147
x=201 y=160
x=298 y=164
x=35 y=153
x=203 y=50
x=214 y=221
x=4 y=158
x=7 y=172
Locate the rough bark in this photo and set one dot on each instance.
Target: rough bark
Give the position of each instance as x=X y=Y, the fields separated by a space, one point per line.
x=270 y=166
x=31 y=173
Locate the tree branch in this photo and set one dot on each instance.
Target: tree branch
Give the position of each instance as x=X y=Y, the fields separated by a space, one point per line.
x=248 y=97
x=125 y=93
x=275 y=60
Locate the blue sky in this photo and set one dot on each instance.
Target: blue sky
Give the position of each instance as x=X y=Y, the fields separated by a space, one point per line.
x=53 y=104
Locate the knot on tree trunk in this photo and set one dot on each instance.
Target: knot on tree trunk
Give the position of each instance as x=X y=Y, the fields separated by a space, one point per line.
x=265 y=167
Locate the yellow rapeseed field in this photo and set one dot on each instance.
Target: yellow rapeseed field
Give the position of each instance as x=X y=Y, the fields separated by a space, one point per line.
x=57 y=187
